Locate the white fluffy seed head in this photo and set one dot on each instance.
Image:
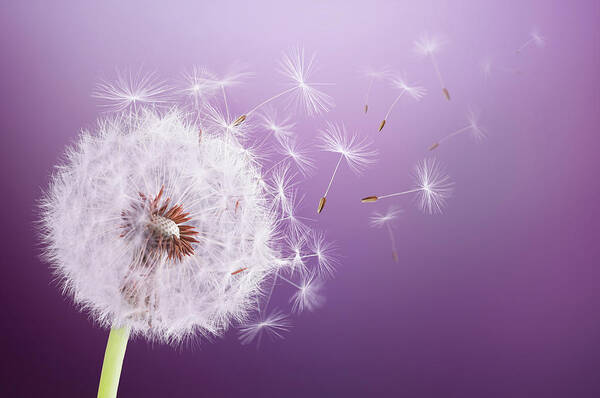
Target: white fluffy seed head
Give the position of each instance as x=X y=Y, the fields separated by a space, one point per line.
x=428 y=45
x=147 y=221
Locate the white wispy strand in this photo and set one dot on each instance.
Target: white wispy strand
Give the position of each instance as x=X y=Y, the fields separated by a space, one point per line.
x=132 y=91
x=121 y=280
x=281 y=126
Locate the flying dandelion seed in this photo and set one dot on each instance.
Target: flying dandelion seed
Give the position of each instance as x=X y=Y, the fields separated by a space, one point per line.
x=416 y=92
x=374 y=75
x=428 y=46
x=433 y=187
x=131 y=91
x=473 y=127
x=272 y=325
x=534 y=39
x=298 y=69
x=385 y=220
x=357 y=153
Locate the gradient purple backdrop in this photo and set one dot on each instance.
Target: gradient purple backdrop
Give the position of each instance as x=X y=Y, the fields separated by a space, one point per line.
x=496 y=298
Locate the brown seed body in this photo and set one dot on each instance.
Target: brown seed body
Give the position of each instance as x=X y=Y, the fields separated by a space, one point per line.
x=369 y=199
x=434 y=145
x=382 y=125
x=322 y=202
x=239 y=120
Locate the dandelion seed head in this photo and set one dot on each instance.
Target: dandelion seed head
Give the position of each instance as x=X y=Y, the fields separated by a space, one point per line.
x=145 y=225
x=281 y=126
x=308 y=295
x=538 y=39
x=272 y=325
x=299 y=155
x=323 y=250
x=377 y=73
x=380 y=219
x=199 y=84
x=435 y=186
x=357 y=152
x=428 y=45
x=415 y=91
x=131 y=91
x=298 y=68
x=474 y=127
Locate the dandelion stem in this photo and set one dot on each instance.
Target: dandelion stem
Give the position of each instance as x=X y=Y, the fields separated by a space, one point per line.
x=289 y=90
x=524 y=45
x=113 y=361
x=394 y=104
x=271 y=290
x=437 y=70
x=225 y=101
x=399 y=193
x=290 y=282
x=454 y=133
x=368 y=93
x=393 y=241
x=337 y=166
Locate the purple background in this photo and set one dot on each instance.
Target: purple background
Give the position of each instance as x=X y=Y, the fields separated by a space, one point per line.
x=496 y=298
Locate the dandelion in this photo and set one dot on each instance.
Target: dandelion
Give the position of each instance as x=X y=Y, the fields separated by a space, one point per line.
x=159 y=232
x=428 y=46
x=416 y=92
x=433 y=187
x=534 y=38
x=132 y=91
x=298 y=69
x=357 y=153
x=273 y=325
x=379 y=220
x=473 y=127
x=374 y=75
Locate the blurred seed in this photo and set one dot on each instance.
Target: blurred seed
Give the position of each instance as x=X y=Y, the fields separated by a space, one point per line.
x=382 y=124
x=446 y=93
x=435 y=145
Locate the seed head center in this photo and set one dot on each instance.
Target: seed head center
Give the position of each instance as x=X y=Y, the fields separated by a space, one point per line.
x=163 y=226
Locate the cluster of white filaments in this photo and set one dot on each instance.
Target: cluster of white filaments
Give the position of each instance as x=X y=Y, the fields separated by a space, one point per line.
x=173 y=224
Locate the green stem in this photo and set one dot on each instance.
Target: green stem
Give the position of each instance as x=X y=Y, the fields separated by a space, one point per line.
x=113 y=361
